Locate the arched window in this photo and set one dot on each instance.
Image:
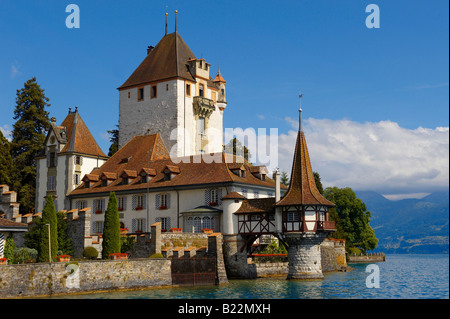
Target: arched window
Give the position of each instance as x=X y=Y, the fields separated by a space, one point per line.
x=197 y=224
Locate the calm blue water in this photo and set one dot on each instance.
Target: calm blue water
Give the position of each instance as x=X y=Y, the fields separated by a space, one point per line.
x=401 y=276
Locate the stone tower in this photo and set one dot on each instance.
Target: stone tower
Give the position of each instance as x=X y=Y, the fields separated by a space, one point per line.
x=304 y=216
x=70 y=152
x=172 y=93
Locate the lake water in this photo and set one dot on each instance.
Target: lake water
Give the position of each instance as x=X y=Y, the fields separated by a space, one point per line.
x=400 y=277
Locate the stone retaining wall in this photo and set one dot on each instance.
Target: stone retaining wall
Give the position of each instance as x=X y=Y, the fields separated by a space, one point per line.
x=56 y=278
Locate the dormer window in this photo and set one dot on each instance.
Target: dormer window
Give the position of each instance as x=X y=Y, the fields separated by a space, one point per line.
x=107 y=178
x=127 y=176
x=147 y=174
x=259 y=172
x=89 y=180
x=170 y=172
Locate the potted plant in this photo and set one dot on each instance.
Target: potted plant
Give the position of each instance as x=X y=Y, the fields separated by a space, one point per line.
x=163 y=207
x=139 y=208
x=123 y=231
x=118 y=256
x=4 y=261
x=63 y=258
x=213 y=204
x=98 y=211
x=207 y=231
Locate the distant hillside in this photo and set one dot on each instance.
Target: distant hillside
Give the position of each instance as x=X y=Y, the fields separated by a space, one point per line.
x=415 y=226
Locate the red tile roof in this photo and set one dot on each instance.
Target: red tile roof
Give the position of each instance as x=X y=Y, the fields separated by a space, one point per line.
x=302 y=188
x=193 y=170
x=168 y=59
x=79 y=138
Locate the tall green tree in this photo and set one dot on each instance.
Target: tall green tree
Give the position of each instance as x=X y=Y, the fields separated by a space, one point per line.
x=318 y=182
x=28 y=136
x=64 y=241
x=284 y=178
x=236 y=147
x=352 y=218
x=111 y=228
x=5 y=161
x=48 y=217
x=114 y=139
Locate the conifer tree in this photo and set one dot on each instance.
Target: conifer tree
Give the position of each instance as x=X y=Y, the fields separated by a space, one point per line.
x=64 y=241
x=111 y=228
x=48 y=217
x=28 y=136
x=5 y=161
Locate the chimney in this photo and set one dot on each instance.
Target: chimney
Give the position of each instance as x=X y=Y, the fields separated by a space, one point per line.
x=276 y=177
x=149 y=49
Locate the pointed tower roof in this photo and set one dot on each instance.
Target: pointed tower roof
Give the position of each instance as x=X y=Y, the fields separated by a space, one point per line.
x=79 y=138
x=219 y=77
x=302 y=188
x=168 y=59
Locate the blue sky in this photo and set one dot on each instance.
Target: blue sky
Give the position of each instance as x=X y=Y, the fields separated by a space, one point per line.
x=267 y=50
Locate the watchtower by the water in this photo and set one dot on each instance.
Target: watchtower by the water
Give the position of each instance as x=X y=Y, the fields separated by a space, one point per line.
x=299 y=220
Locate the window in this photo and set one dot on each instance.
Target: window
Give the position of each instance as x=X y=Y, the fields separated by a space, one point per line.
x=129 y=94
x=98 y=227
x=138 y=202
x=76 y=179
x=153 y=92
x=140 y=94
x=80 y=204
x=140 y=224
x=208 y=222
x=201 y=125
x=244 y=192
x=51 y=183
x=164 y=201
x=222 y=91
x=214 y=197
x=52 y=159
x=322 y=216
x=165 y=223
x=197 y=224
x=99 y=205
x=121 y=203
x=188 y=89
x=201 y=90
x=256 y=194
x=167 y=87
x=293 y=216
x=78 y=160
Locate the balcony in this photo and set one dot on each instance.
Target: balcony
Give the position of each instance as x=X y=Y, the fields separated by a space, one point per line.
x=203 y=106
x=326 y=225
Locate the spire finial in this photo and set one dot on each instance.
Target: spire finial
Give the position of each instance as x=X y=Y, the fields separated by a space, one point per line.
x=300 y=111
x=166 y=22
x=176 y=12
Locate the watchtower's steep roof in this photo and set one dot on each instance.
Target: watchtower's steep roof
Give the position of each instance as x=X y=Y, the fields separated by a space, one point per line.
x=168 y=59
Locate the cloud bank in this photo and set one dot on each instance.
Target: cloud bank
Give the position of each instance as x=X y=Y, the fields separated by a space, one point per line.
x=381 y=156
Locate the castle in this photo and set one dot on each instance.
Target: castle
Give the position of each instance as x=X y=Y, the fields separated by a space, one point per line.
x=170 y=126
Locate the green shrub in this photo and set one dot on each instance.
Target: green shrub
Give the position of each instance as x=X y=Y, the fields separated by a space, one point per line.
x=90 y=252
x=111 y=228
x=23 y=255
x=157 y=256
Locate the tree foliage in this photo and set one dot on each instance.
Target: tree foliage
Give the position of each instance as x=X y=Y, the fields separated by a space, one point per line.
x=64 y=241
x=352 y=218
x=28 y=136
x=114 y=139
x=236 y=147
x=5 y=161
x=48 y=217
x=111 y=228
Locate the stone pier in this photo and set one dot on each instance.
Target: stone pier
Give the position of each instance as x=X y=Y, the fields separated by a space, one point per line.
x=304 y=255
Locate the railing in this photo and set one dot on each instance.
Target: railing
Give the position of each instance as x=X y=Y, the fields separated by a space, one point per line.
x=325 y=225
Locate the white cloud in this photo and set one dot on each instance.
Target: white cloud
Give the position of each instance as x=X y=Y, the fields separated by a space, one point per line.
x=14 y=71
x=6 y=131
x=379 y=156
